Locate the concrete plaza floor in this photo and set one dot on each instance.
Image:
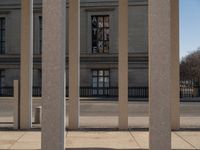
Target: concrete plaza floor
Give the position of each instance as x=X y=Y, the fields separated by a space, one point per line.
x=104 y=115
x=97 y=140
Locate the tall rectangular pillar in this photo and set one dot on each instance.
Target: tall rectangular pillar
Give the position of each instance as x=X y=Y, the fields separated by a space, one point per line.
x=26 y=64
x=53 y=74
x=123 y=64
x=160 y=74
x=74 y=63
x=16 y=105
x=175 y=90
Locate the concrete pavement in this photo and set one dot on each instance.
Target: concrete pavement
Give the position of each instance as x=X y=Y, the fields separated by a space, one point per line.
x=97 y=140
x=103 y=114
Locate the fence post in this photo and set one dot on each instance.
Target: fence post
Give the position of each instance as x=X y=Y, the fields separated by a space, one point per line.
x=16 y=105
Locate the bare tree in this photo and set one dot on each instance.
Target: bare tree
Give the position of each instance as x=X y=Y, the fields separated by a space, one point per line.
x=190 y=66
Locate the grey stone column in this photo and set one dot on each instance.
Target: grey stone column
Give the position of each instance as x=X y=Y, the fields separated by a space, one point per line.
x=74 y=63
x=175 y=91
x=53 y=74
x=26 y=66
x=123 y=64
x=160 y=74
x=16 y=105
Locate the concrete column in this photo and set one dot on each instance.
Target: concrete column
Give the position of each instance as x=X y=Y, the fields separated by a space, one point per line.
x=53 y=74
x=26 y=64
x=16 y=104
x=160 y=74
x=123 y=64
x=175 y=90
x=74 y=63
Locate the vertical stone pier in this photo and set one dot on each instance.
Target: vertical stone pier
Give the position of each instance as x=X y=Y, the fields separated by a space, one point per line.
x=175 y=101
x=123 y=64
x=53 y=74
x=26 y=64
x=74 y=63
x=160 y=73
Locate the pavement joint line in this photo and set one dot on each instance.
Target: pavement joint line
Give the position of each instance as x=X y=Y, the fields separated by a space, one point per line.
x=135 y=139
x=186 y=141
x=17 y=140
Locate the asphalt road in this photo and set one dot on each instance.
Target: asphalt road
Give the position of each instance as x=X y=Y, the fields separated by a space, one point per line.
x=105 y=114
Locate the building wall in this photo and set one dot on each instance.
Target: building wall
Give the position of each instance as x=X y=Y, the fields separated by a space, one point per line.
x=138 y=45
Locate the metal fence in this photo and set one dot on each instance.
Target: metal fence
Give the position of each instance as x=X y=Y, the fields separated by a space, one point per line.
x=190 y=89
x=135 y=92
x=187 y=90
x=6 y=91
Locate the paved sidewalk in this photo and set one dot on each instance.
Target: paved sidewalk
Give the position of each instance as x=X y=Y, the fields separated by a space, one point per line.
x=97 y=140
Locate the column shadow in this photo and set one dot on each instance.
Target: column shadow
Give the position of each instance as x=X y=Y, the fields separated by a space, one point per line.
x=93 y=148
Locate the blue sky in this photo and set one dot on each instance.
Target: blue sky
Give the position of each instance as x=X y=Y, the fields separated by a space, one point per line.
x=189 y=26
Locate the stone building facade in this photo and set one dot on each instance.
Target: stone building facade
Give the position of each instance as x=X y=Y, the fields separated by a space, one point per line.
x=99 y=43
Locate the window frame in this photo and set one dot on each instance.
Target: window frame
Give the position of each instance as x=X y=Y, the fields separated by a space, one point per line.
x=103 y=28
x=99 y=88
x=88 y=32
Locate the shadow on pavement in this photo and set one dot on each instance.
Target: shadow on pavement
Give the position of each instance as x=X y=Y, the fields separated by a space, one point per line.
x=97 y=149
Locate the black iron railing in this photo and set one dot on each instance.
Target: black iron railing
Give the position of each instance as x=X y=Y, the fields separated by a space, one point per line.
x=186 y=91
x=138 y=92
x=6 y=91
x=37 y=91
x=189 y=91
x=135 y=92
x=98 y=92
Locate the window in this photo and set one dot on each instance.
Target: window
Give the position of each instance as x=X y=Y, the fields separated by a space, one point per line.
x=100 y=81
x=2 y=35
x=2 y=77
x=100 y=33
x=40 y=34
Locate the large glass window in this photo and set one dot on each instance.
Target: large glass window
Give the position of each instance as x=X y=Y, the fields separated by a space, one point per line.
x=100 y=81
x=100 y=33
x=2 y=35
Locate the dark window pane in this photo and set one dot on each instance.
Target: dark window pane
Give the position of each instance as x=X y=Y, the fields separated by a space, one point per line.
x=3 y=46
x=100 y=34
x=3 y=22
x=106 y=46
x=40 y=34
x=106 y=21
x=94 y=79
x=106 y=34
x=106 y=73
x=94 y=22
x=100 y=22
x=100 y=92
x=101 y=84
x=94 y=84
x=100 y=46
x=94 y=92
x=94 y=73
x=3 y=35
x=106 y=84
x=106 y=79
x=100 y=79
x=100 y=72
